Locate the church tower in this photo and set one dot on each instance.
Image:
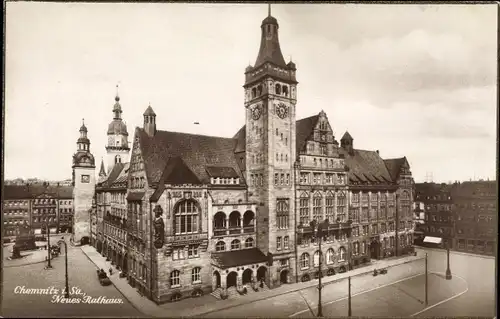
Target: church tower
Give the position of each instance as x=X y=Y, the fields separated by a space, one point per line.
x=83 y=188
x=270 y=99
x=117 y=149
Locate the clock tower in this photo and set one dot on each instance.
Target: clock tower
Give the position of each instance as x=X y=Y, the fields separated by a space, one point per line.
x=83 y=188
x=270 y=99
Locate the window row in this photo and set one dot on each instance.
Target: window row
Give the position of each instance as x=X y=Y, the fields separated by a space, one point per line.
x=235 y=244
x=44 y=201
x=45 y=211
x=136 y=182
x=280 y=157
x=190 y=251
x=282 y=243
x=321 y=179
x=15 y=213
x=16 y=203
x=224 y=181
x=373 y=197
x=256 y=179
x=119 y=198
x=330 y=238
x=304 y=260
x=281 y=179
x=136 y=163
x=257 y=158
x=65 y=210
x=44 y=219
x=14 y=222
x=175 y=277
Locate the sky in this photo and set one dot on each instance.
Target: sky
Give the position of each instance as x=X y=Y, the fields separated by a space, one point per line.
x=408 y=80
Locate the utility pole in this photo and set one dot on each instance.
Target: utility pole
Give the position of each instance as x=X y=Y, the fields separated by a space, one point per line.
x=63 y=241
x=396 y=227
x=426 y=283
x=349 y=309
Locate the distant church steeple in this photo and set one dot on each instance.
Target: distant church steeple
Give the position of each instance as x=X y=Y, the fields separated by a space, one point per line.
x=117 y=149
x=150 y=121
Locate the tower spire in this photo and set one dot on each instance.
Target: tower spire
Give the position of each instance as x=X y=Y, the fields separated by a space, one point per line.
x=269 y=10
x=117 y=97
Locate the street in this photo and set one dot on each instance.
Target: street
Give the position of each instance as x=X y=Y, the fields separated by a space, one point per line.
x=400 y=292
x=479 y=272
x=82 y=279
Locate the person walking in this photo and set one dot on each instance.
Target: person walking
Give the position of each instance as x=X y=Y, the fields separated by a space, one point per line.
x=110 y=271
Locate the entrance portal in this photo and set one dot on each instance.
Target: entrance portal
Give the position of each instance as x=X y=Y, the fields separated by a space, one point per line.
x=261 y=273
x=231 y=279
x=84 y=241
x=284 y=277
x=247 y=276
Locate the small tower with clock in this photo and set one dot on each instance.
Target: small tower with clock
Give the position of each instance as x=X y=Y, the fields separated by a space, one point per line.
x=117 y=149
x=270 y=99
x=83 y=188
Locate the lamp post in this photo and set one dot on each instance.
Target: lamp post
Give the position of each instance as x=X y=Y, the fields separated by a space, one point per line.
x=62 y=241
x=349 y=309
x=448 y=271
x=426 y=282
x=49 y=266
x=318 y=229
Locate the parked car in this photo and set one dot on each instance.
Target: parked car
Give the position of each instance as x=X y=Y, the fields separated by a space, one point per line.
x=103 y=278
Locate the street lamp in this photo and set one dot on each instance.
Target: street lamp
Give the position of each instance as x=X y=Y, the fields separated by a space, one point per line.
x=49 y=266
x=62 y=241
x=448 y=271
x=318 y=229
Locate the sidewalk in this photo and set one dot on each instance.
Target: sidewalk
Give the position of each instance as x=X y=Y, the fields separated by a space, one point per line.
x=29 y=257
x=206 y=304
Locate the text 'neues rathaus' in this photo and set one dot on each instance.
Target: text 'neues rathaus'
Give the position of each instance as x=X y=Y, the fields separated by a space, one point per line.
x=193 y=214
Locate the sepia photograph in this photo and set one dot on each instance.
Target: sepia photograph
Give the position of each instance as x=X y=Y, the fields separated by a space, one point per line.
x=249 y=159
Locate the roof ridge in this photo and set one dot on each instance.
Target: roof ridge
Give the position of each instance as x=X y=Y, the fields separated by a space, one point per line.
x=193 y=134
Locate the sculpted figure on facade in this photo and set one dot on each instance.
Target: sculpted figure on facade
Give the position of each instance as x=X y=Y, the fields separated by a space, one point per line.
x=159 y=226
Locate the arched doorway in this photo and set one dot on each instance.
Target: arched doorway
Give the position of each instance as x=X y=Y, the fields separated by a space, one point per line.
x=374 y=249
x=247 y=276
x=261 y=273
x=84 y=241
x=216 y=280
x=231 y=279
x=284 y=276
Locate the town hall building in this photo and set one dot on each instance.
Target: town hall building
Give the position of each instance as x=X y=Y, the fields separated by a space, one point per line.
x=198 y=214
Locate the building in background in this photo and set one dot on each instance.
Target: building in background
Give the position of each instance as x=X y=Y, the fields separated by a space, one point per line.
x=461 y=216
x=83 y=188
x=37 y=206
x=476 y=221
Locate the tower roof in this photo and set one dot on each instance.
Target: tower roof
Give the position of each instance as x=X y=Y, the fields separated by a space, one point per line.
x=83 y=128
x=347 y=137
x=102 y=171
x=149 y=111
x=270 y=50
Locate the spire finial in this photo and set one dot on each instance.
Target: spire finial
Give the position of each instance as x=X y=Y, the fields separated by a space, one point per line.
x=117 y=97
x=269 y=9
x=83 y=121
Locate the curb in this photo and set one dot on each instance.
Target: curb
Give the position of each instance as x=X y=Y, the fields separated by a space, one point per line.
x=125 y=297
x=457 y=252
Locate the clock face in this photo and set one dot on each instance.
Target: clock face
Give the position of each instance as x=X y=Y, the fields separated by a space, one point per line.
x=256 y=112
x=281 y=110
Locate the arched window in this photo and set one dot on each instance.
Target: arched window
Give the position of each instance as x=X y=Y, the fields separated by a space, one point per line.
x=220 y=246
x=235 y=244
x=175 y=279
x=304 y=261
x=219 y=220
x=186 y=217
x=254 y=92
x=285 y=90
x=259 y=90
x=277 y=88
x=249 y=243
x=248 y=218
x=235 y=219
x=330 y=256
x=342 y=253
x=196 y=275
x=316 y=259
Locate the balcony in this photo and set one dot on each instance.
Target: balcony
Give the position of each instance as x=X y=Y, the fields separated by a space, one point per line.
x=236 y=230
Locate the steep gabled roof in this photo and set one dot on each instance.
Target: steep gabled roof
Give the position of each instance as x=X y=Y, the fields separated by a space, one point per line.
x=366 y=166
x=122 y=174
x=394 y=166
x=304 y=129
x=196 y=151
x=240 y=138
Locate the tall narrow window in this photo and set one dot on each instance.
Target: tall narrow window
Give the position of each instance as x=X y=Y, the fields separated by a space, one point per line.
x=282 y=214
x=317 y=207
x=304 y=209
x=186 y=217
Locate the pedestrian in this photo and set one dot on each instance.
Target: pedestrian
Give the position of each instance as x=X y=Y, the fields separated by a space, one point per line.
x=110 y=271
